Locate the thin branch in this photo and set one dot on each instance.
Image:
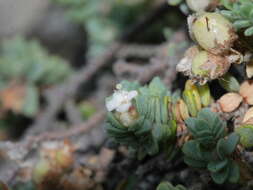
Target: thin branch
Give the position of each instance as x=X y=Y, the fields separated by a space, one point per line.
x=57 y=96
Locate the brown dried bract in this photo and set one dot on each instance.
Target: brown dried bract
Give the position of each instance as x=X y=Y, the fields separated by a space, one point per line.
x=229 y=102
x=218 y=66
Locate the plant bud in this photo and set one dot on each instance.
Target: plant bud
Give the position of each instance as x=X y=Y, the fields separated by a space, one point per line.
x=248 y=117
x=229 y=102
x=205 y=94
x=246 y=135
x=213 y=32
x=246 y=91
x=198 y=5
x=209 y=66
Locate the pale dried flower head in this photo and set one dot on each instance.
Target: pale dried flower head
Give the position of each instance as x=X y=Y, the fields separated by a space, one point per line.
x=121 y=100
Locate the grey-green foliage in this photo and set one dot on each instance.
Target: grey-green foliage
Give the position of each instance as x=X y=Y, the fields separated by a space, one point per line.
x=169 y=186
x=104 y=19
x=241 y=14
x=27 y=63
x=153 y=130
x=209 y=148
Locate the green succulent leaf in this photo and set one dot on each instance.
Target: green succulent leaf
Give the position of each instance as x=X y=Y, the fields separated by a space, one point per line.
x=190 y=101
x=249 y=31
x=205 y=95
x=216 y=166
x=240 y=13
x=169 y=186
x=207 y=128
x=226 y=147
x=129 y=86
x=234 y=172
x=221 y=176
x=27 y=60
x=194 y=163
x=246 y=135
x=192 y=149
x=31 y=103
x=229 y=83
x=153 y=130
x=152 y=102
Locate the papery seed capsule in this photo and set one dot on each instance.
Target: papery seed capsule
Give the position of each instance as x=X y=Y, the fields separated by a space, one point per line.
x=229 y=102
x=249 y=69
x=246 y=91
x=198 y=5
x=248 y=117
x=210 y=66
x=213 y=32
x=184 y=65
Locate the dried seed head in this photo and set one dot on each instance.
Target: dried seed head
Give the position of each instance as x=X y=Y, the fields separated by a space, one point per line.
x=185 y=64
x=229 y=102
x=198 y=5
x=128 y=118
x=209 y=66
x=213 y=32
x=246 y=91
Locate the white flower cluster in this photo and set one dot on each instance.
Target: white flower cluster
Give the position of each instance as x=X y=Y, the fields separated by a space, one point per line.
x=121 y=100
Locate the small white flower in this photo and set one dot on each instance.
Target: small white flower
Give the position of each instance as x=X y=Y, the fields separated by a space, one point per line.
x=121 y=100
